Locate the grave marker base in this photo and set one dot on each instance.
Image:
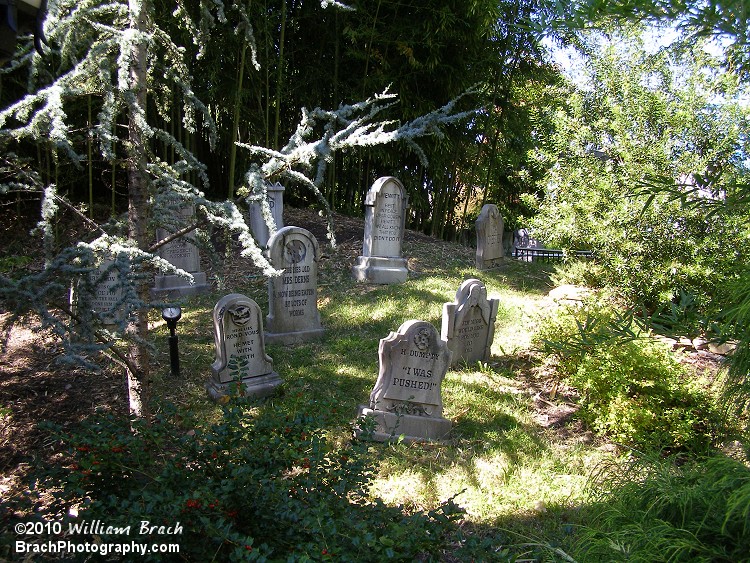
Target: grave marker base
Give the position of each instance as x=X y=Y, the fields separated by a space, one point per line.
x=389 y=427
x=489 y=264
x=171 y=286
x=380 y=270
x=257 y=386
x=293 y=337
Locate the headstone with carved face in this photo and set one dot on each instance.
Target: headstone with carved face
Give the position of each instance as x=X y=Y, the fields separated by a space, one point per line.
x=241 y=364
x=406 y=400
x=490 y=229
x=293 y=296
x=385 y=218
x=469 y=323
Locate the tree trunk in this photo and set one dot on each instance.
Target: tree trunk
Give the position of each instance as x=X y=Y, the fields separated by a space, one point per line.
x=236 y=123
x=138 y=377
x=279 y=78
x=89 y=151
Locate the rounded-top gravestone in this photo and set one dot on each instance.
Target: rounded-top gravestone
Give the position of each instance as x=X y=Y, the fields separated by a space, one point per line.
x=293 y=296
x=241 y=358
x=385 y=218
x=490 y=228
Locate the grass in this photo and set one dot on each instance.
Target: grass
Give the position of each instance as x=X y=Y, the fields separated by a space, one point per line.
x=504 y=469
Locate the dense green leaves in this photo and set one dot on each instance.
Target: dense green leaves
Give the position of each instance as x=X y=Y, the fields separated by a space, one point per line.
x=645 y=118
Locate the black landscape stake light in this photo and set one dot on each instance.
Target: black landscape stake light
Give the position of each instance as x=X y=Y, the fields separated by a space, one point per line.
x=172 y=315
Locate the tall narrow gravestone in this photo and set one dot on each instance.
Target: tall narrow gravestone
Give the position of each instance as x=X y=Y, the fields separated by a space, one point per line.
x=258 y=226
x=182 y=254
x=240 y=353
x=407 y=396
x=293 y=297
x=489 y=237
x=469 y=323
x=385 y=217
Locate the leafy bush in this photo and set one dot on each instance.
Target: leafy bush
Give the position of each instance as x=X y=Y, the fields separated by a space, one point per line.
x=652 y=509
x=579 y=272
x=639 y=395
x=257 y=486
x=632 y=387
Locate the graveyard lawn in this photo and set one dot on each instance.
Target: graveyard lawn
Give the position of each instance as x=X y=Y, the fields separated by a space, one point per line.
x=508 y=406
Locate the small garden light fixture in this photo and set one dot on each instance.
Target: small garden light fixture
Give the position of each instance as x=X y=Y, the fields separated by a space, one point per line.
x=172 y=315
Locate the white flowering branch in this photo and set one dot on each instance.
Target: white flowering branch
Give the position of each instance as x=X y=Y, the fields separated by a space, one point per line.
x=305 y=161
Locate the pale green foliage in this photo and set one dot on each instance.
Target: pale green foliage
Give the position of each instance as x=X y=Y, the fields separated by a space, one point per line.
x=632 y=388
x=726 y=22
x=666 y=118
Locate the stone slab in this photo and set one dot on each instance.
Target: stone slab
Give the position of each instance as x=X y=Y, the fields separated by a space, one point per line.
x=293 y=315
x=381 y=262
x=392 y=426
x=469 y=323
x=490 y=249
x=258 y=226
x=407 y=396
x=380 y=270
x=240 y=350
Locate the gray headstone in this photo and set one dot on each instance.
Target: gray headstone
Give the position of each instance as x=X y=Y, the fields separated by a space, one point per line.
x=489 y=237
x=469 y=323
x=385 y=218
x=293 y=297
x=258 y=226
x=103 y=293
x=182 y=254
x=240 y=352
x=407 y=397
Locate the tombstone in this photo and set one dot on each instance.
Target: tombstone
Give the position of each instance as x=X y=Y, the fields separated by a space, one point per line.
x=240 y=354
x=103 y=292
x=293 y=297
x=407 y=397
x=258 y=226
x=385 y=217
x=489 y=237
x=469 y=323
x=182 y=254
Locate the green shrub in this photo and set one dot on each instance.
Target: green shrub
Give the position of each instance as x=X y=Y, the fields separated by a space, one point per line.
x=632 y=387
x=652 y=509
x=639 y=395
x=579 y=272
x=258 y=485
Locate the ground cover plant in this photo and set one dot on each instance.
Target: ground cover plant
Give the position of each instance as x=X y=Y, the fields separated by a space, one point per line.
x=509 y=484
x=633 y=388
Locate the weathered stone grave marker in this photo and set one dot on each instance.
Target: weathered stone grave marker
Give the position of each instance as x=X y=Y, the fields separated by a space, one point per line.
x=385 y=217
x=258 y=226
x=469 y=323
x=103 y=292
x=293 y=297
x=489 y=227
x=240 y=351
x=182 y=254
x=108 y=292
x=407 y=399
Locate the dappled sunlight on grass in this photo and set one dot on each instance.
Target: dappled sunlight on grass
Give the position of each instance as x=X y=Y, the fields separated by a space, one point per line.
x=497 y=462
